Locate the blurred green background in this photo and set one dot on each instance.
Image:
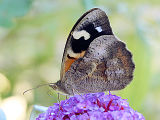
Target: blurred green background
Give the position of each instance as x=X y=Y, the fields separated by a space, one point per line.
x=32 y=38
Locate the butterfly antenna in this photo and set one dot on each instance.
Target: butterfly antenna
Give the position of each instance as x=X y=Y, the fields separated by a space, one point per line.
x=36 y=87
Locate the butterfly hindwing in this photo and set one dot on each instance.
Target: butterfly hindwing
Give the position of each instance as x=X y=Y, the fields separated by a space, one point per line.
x=91 y=25
x=106 y=66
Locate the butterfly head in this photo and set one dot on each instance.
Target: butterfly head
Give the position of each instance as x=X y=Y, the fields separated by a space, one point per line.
x=58 y=86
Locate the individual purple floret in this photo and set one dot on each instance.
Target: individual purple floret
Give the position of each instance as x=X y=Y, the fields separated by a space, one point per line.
x=92 y=106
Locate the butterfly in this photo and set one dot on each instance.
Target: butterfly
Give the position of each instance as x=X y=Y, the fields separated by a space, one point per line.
x=94 y=59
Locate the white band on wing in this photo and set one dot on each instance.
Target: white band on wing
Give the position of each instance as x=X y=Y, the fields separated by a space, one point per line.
x=79 y=34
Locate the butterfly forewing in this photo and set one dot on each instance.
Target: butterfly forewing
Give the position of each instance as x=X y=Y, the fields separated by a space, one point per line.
x=105 y=66
x=91 y=25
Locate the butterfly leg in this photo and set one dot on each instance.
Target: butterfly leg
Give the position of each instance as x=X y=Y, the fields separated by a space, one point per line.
x=66 y=96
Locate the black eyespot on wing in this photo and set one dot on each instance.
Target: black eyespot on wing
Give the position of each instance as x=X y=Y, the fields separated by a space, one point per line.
x=79 y=45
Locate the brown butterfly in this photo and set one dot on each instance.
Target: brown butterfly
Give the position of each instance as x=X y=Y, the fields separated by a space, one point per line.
x=94 y=60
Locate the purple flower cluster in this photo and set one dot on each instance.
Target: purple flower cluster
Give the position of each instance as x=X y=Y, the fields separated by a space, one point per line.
x=92 y=106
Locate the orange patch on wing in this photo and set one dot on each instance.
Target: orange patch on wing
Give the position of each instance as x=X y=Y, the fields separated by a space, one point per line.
x=69 y=61
x=82 y=54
